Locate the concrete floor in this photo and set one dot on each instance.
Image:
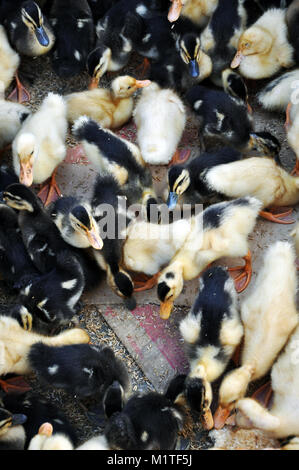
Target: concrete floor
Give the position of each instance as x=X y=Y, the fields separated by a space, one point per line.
x=151 y=348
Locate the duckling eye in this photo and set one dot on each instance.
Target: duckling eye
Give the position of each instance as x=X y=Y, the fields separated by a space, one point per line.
x=129 y=87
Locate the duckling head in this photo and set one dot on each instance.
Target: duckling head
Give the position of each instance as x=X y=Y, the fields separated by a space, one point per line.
x=8 y=420
x=120 y=432
x=20 y=197
x=265 y=144
x=86 y=227
x=123 y=286
x=170 y=286
x=33 y=18
x=234 y=84
x=125 y=86
x=97 y=64
x=26 y=150
x=199 y=63
x=198 y=393
x=255 y=40
x=178 y=182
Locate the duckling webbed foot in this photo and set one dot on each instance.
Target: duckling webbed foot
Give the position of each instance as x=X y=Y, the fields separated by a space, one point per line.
x=180 y=157
x=20 y=94
x=278 y=217
x=15 y=385
x=50 y=192
x=222 y=417
x=144 y=67
x=143 y=282
x=264 y=395
x=295 y=171
x=243 y=279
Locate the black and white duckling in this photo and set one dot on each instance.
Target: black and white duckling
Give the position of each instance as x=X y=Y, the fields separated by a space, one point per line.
x=277 y=94
x=147 y=422
x=221 y=230
x=12 y=116
x=76 y=223
x=16 y=342
x=39 y=147
x=160 y=117
x=264 y=48
x=16 y=266
x=12 y=433
x=52 y=298
x=235 y=86
x=107 y=193
x=29 y=30
x=198 y=11
x=227 y=119
x=73 y=27
x=38 y=410
x=83 y=370
x=211 y=331
x=113 y=154
x=269 y=317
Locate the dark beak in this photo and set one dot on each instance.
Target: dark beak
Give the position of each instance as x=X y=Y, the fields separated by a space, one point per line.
x=18 y=419
x=193 y=68
x=172 y=201
x=42 y=36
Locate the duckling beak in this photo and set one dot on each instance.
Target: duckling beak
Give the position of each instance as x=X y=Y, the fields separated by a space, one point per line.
x=26 y=173
x=193 y=68
x=237 y=59
x=142 y=83
x=172 y=200
x=18 y=419
x=207 y=420
x=166 y=309
x=175 y=10
x=221 y=415
x=94 y=239
x=42 y=36
x=46 y=429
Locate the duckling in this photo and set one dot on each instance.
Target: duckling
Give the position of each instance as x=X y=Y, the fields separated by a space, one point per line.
x=74 y=31
x=160 y=117
x=46 y=440
x=12 y=116
x=75 y=221
x=269 y=317
x=12 y=434
x=39 y=147
x=198 y=11
x=146 y=422
x=39 y=410
x=200 y=65
x=221 y=230
x=52 y=298
x=234 y=85
x=212 y=330
x=110 y=108
x=29 y=30
x=220 y=37
x=82 y=370
x=276 y=95
x=16 y=266
x=7 y=177
x=9 y=60
x=111 y=153
x=248 y=176
x=16 y=342
x=227 y=119
x=264 y=48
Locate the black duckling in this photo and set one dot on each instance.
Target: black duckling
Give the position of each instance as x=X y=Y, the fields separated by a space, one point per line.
x=74 y=31
x=7 y=177
x=107 y=193
x=76 y=223
x=29 y=30
x=81 y=371
x=146 y=422
x=111 y=153
x=211 y=331
x=12 y=433
x=227 y=119
x=186 y=182
x=53 y=298
x=16 y=266
x=38 y=411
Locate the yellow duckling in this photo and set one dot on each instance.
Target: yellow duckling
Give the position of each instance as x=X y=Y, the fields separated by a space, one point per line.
x=263 y=48
x=269 y=317
x=110 y=108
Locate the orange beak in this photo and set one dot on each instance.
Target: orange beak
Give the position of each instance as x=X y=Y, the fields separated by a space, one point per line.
x=220 y=417
x=26 y=173
x=207 y=420
x=46 y=429
x=175 y=10
x=166 y=309
x=94 y=83
x=237 y=59
x=142 y=83
x=94 y=239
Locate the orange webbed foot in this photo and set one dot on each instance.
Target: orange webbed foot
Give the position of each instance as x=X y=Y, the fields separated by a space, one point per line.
x=15 y=385
x=143 y=282
x=275 y=215
x=20 y=94
x=243 y=279
x=222 y=417
x=180 y=157
x=295 y=171
x=50 y=192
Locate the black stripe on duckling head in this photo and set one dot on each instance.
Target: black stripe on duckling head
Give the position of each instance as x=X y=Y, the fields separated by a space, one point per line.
x=120 y=432
x=125 y=286
x=189 y=52
x=266 y=144
x=113 y=400
x=195 y=393
x=20 y=197
x=80 y=213
x=163 y=290
x=33 y=19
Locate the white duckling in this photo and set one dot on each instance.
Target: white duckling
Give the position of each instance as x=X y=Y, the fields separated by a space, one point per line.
x=9 y=60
